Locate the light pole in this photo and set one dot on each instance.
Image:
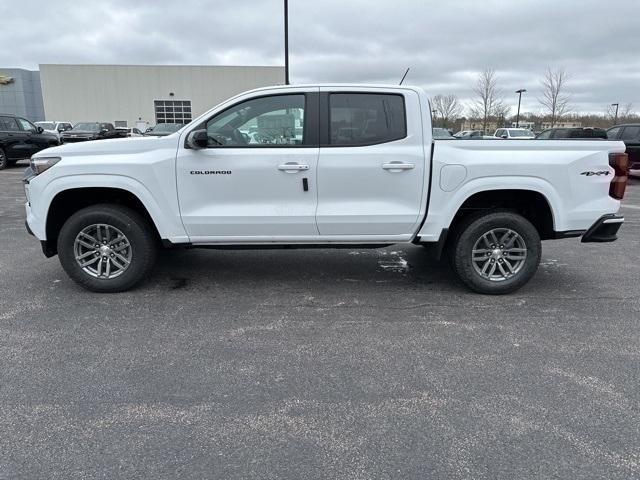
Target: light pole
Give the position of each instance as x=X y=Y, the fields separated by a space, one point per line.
x=286 y=42
x=434 y=111
x=519 y=92
x=615 y=119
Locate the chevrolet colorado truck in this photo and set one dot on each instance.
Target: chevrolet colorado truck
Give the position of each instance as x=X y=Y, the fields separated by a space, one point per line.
x=314 y=166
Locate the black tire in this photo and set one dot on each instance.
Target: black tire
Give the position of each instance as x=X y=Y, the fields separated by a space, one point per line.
x=141 y=237
x=472 y=229
x=4 y=163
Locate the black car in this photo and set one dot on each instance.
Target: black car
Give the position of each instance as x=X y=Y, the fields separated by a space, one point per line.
x=81 y=132
x=574 y=132
x=630 y=135
x=163 y=129
x=19 y=139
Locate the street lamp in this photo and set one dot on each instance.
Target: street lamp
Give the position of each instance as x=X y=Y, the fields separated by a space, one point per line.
x=519 y=92
x=615 y=119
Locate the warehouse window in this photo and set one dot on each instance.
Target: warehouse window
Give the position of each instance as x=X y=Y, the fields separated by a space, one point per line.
x=172 y=111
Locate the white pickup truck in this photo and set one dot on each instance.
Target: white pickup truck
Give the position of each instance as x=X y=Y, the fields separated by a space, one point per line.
x=310 y=166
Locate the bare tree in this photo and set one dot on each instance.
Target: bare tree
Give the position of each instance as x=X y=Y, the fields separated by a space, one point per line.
x=447 y=107
x=488 y=101
x=554 y=99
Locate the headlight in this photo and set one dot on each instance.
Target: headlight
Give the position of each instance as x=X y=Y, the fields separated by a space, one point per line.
x=40 y=164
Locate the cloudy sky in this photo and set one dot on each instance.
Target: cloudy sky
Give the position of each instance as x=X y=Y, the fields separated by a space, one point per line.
x=444 y=42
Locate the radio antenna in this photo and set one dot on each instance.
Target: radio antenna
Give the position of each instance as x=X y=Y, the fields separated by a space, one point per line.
x=404 y=76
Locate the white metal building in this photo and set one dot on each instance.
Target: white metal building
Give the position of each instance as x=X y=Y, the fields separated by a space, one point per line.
x=140 y=95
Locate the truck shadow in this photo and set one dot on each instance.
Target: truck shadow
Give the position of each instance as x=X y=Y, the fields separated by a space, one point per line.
x=401 y=266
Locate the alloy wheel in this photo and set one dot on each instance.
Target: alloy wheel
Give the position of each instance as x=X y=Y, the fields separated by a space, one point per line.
x=499 y=254
x=102 y=251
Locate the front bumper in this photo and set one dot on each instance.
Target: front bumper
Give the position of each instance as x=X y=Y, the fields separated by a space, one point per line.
x=604 y=230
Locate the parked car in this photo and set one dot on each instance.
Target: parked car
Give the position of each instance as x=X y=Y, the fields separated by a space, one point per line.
x=55 y=128
x=469 y=135
x=163 y=129
x=129 y=132
x=574 y=132
x=442 y=134
x=105 y=207
x=630 y=135
x=514 y=134
x=19 y=139
x=81 y=132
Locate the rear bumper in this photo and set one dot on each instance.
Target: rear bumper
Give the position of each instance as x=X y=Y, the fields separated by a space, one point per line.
x=604 y=230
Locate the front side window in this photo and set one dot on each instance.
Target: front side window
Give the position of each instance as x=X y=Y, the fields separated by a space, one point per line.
x=26 y=125
x=546 y=135
x=366 y=118
x=274 y=121
x=612 y=133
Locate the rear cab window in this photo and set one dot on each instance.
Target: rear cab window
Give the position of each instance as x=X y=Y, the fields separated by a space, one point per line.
x=9 y=124
x=359 y=119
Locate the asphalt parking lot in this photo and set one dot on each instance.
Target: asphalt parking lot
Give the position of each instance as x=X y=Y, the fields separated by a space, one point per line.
x=349 y=364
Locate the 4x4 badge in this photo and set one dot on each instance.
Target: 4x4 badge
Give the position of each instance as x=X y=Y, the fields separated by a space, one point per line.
x=601 y=172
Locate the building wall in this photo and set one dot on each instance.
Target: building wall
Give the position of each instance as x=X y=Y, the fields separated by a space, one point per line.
x=127 y=92
x=23 y=96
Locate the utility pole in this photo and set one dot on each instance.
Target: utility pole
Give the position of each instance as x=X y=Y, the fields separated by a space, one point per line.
x=434 y=111
x=615 y=119
x=519 y=92
x=286 y=42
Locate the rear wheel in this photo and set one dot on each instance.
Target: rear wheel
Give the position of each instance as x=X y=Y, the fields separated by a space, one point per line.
x=4 y=163
x=107 y=248
x=496 y=253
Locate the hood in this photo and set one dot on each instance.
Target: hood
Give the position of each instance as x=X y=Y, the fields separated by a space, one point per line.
x=111 y=146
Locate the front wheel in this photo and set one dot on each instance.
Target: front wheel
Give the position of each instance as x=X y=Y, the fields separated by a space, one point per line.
x=496 y=253
x=107 y=248
x=4 y=163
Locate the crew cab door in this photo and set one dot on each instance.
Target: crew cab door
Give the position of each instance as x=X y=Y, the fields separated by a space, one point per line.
x=371 y=171
x=256 y=178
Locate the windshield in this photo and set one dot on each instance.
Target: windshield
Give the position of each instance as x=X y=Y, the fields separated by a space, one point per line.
x=520 y=133
x=47 y=125
x=87 y=127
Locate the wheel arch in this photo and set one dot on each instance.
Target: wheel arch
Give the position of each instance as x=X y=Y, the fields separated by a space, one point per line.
x=532 y=204
x=69 y=201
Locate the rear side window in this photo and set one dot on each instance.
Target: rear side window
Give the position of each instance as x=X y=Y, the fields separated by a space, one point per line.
x=366 y=118
x=9 y=124
x=631 y=133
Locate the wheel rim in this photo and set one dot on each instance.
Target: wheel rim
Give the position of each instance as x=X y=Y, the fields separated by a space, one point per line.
x=3 y=159
x=102 y=251
x=499 y=254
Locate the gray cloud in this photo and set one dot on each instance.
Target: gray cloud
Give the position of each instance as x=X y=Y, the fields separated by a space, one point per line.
x=444 y=43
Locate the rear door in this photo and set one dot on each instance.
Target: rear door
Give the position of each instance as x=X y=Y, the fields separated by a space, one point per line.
x=371 y=170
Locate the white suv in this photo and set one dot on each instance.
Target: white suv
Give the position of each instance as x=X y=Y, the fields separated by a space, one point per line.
x=514 y=134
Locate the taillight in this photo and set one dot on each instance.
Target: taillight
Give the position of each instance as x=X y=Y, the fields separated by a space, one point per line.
x=620 y=163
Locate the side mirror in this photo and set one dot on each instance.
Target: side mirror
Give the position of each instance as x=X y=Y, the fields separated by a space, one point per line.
x=198 y=139
x=39 y=129
x=104 y=130
x=504 y=135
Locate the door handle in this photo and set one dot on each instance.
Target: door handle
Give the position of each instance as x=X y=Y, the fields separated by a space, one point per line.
x=293 y=167
x=398 y=166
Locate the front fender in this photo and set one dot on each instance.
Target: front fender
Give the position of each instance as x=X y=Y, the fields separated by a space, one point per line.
x=163 y=210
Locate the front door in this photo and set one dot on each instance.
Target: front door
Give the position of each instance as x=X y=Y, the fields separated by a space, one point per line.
x=371 y=172
x=256 y=179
